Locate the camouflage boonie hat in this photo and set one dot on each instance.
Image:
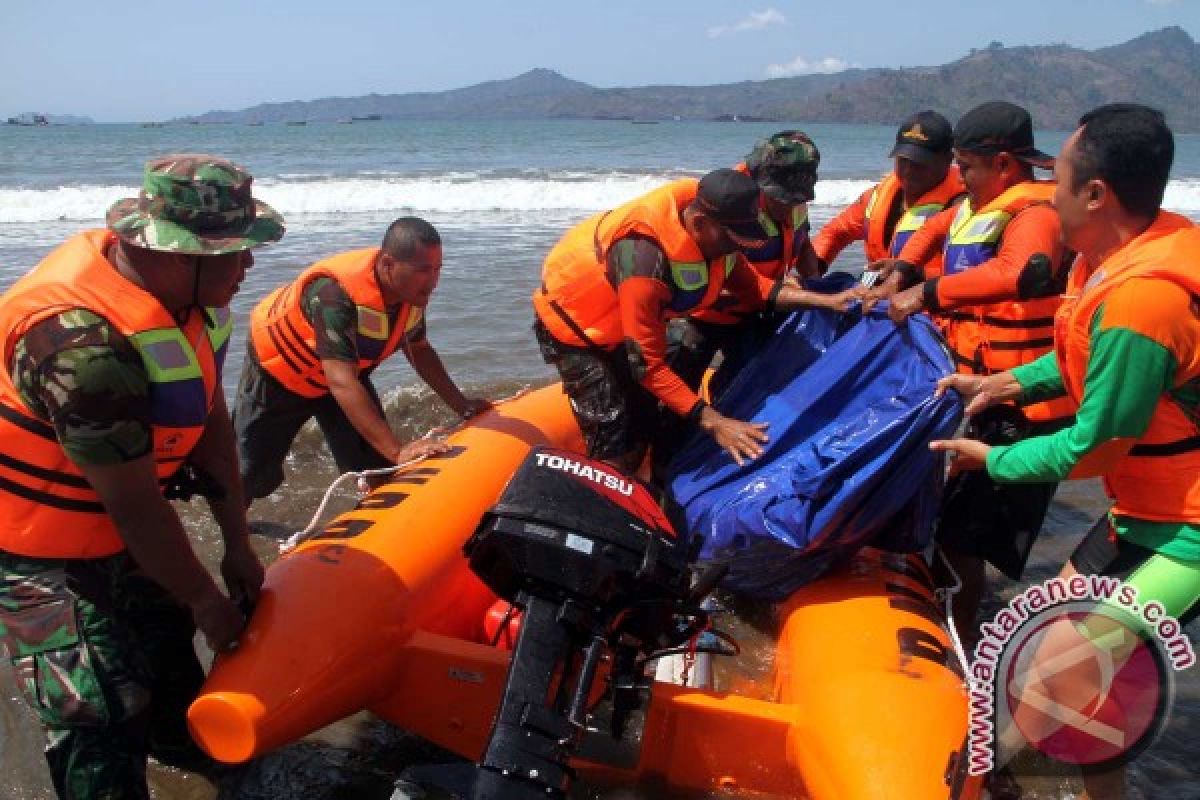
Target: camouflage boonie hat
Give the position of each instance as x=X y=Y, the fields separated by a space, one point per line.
x=195 y=204
x=785 y=166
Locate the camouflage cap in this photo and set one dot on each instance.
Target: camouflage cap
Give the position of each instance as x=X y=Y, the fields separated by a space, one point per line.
x=196 y=204
x=785 y=166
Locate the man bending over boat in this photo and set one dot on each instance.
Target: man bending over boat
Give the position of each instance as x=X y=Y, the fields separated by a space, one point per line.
x=113 y=349
x=784 y=166
x=314 y=343
x=923 y=183
x=990 y=272
x=611 y=284
x=1127 y=351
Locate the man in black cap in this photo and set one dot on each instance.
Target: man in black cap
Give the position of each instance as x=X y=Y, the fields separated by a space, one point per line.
x=611 y=284
x=994 y=294
x=923 y=183
x=784 y=165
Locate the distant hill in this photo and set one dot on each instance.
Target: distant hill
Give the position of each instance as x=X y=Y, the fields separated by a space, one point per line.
x=525 y=96
x=1055 y=82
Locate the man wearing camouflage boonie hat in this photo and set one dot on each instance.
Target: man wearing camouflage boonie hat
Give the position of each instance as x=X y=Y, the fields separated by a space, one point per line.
x=784 y=165
x=110 y=392
x=922 y=183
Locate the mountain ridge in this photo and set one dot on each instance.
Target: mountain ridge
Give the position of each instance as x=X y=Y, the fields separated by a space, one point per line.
x=1056 y=82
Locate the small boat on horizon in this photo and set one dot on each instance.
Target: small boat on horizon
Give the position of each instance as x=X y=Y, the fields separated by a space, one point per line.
x=297 y=122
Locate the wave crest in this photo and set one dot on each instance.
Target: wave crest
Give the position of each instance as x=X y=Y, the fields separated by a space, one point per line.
x=451 y=192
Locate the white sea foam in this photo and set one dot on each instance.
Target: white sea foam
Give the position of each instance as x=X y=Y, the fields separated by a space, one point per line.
x=456 y=192
x=1183 y=195
x=306 y=194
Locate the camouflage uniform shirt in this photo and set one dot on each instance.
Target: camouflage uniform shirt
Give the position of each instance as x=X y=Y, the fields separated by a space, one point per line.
x=88 y=381
x=334 y=319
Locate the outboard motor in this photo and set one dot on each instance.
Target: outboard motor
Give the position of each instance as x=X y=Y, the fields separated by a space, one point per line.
x=601 y=576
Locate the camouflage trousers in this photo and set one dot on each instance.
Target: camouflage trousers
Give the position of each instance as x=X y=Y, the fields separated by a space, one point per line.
x=105 y=659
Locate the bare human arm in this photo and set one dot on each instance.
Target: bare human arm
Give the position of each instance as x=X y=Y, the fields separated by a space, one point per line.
x=156 y=540
x=216 y=455
x=428 y=364
x=360 y=409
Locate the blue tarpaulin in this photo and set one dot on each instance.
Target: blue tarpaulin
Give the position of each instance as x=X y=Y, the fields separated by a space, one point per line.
x=849 y=399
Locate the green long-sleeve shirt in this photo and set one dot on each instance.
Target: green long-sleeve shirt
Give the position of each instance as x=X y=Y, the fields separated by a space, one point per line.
x=1127 y=373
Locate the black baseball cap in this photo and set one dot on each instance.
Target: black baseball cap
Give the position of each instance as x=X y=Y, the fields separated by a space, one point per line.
x=923 y=137
x=1000 y=127
x=730 y=198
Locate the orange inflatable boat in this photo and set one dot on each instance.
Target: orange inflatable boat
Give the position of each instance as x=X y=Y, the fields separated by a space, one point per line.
x=383 y=612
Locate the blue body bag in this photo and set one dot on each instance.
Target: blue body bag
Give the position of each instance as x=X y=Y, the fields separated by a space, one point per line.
x=849 y=399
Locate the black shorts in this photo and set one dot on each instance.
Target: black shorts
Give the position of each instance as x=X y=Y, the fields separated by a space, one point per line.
x=1103 y=552
x=997 y=522
x=617 y=416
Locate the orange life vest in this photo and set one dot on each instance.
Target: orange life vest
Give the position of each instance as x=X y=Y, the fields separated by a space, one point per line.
x=283 y=339
x=987 y=339
x=779 y=253
x=578 y=303
x=49 y=508
x=883 y=198
x=1160 y=477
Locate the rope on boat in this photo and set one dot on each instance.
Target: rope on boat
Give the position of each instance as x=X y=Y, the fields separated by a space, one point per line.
x=946 y=594
x=360 y=477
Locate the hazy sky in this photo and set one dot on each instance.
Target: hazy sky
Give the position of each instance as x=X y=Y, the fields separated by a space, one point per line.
x=140 y=60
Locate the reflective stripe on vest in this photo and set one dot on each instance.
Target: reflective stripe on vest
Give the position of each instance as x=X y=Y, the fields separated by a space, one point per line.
x=179 y=397
x=689 y=275
x=973 y=238
x=910 y=223
x=49 y=509
x=692 y=281
x=283 y=339
x=1157 y=479
x=220 y=329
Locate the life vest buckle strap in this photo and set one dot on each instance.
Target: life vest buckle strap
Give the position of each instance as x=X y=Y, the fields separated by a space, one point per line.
x=42 y=473
x=973 y=364
x=1028 y=344
x=574 y=326
x=53 y=501
x=1018 y=324
x=28 y=424
x=1176 y=448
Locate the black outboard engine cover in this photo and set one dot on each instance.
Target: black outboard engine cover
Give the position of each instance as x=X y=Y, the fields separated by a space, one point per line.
x=568 y=526
x=599 y=573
